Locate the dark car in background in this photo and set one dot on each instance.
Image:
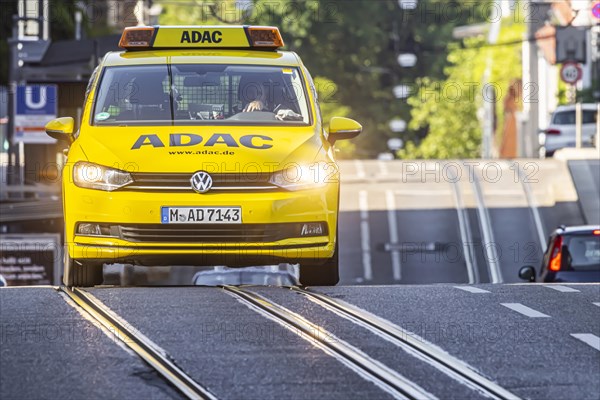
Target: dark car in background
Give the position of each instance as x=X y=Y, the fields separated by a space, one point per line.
x=572 y=255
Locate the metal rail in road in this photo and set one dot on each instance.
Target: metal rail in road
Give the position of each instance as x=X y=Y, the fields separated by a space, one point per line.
x=142 y=346
x=466 y=236
x=386 y=378
x=531 y=202
x=489 y=244
x=443 y=361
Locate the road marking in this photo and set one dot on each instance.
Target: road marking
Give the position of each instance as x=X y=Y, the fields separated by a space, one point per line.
x=522 y=309
x=390 y=203
x=487 y=233
x=360 y=169
x=596 y=304
x=465 y=229
x=363 y=204
x=472 y=289
x=383 y=170
x=533 y=207
x=563 y=289
x=588 y=339
x=413 y=192
x=365 y=234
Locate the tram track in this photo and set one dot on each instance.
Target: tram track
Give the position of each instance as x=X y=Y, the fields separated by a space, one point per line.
x=148 y=351
x=383 y=376
x=434 y=356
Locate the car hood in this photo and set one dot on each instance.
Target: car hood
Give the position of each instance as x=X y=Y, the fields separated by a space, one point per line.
x=190 y=149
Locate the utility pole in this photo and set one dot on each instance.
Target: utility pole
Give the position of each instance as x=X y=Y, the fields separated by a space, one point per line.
x=30 y=25
x=529 y=140
x=12 y=92
x=490 y=97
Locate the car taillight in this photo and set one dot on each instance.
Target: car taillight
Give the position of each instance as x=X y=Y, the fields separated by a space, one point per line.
x=556 y=255
x=597 y=232
x=552 y=132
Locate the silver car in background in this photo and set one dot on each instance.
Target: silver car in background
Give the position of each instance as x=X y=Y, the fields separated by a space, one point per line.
x=561 y=131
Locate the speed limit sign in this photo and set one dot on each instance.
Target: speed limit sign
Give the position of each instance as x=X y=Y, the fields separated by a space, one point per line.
x=571 y=72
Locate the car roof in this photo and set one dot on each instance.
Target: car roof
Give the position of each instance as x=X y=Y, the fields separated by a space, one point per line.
x=571 y=107
x=577 y=229
x=202 y=56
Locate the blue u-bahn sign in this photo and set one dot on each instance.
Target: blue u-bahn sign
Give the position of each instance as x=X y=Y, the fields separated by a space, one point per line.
x=36 y=105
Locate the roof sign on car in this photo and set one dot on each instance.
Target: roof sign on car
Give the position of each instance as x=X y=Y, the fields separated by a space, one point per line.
x=177 y=37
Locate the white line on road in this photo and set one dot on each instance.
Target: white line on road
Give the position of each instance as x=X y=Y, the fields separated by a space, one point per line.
x=363 y=204
x=564 y=289
x=465 y=229
x=588 y=339
x=366 y=250
x=472 y=289
x=531 y=202
x=383 y=169
x=596 y=304
x=365 y=234
x=360 y=169
x=414 y=192
x=390 y=203
x=488 y=234
x=522 y=309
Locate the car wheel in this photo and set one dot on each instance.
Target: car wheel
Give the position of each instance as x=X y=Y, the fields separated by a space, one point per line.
x=81 y=274
x=321 y=275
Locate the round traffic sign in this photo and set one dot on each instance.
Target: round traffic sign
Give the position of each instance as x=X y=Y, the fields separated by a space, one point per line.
x=571 y=72
x=596 y=9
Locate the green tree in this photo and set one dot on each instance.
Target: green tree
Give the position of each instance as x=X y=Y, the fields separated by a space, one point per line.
x=331 y=107
x=355 y=44
x=447 y=110
x=352 y=43
x=197 y=12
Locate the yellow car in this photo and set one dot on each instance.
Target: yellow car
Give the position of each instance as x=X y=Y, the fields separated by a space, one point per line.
x=201 y=145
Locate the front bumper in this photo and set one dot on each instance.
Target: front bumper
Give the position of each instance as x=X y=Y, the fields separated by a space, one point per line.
x=126 y=208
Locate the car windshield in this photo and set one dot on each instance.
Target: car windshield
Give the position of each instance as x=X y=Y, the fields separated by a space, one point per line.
x=568 y=117
x=189 y=94
x=584 y=252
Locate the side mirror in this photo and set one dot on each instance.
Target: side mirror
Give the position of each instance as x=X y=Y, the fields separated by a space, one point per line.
x=61 y=129
x=343 y=128
x=527 y=273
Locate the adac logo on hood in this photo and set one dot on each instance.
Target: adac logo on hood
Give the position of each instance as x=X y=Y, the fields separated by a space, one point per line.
x=259 y=142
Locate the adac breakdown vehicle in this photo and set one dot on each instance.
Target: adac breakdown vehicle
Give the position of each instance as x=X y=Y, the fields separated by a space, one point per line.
x=201 y=146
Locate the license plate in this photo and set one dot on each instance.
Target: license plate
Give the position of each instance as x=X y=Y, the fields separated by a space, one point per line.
x=201 y=215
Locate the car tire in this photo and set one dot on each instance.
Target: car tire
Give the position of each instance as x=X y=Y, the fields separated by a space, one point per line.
x=81 y=274
x=326 y=274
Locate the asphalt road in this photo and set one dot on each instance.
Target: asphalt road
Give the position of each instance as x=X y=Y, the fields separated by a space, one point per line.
x=439 y=225
x=423 y=222
x=48 y=350
x=238 y=353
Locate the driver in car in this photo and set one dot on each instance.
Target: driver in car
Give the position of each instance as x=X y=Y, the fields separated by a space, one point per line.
x=258 y=94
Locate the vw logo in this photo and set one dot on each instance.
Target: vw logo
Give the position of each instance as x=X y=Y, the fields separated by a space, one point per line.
x=201 y=182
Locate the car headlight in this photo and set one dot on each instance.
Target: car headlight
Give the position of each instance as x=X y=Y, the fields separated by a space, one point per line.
x=92 y=176
x=301 y=176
